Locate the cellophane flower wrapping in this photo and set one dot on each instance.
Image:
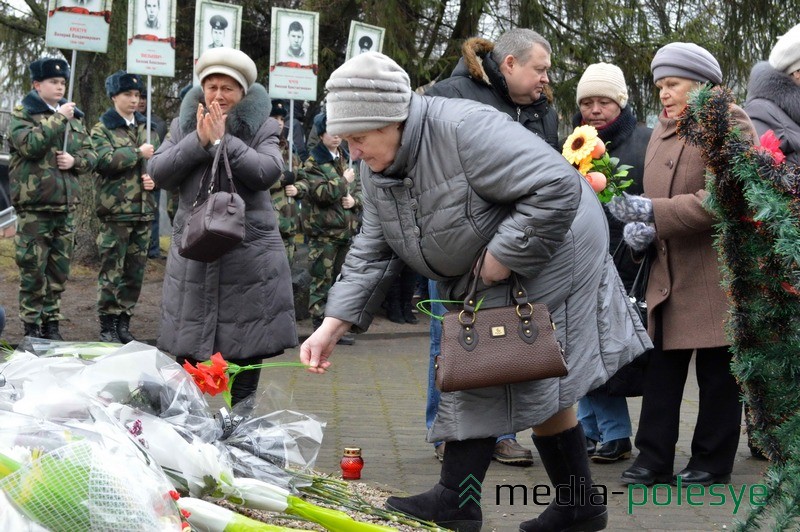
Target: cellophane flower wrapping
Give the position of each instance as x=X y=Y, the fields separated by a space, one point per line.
x=80 y=476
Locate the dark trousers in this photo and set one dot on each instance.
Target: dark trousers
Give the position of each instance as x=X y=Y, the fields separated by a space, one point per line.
x=245 y=383
x=716 y=434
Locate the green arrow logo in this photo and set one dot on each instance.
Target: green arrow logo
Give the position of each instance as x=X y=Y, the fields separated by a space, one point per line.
x=471 y=492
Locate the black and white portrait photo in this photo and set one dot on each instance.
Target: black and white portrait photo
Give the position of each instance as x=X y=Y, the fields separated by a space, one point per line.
x=294 y=40
x=217 y=26
x=364 y=38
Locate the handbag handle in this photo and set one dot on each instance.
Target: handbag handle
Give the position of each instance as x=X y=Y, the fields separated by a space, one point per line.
x=211 y=173
x=518 y=293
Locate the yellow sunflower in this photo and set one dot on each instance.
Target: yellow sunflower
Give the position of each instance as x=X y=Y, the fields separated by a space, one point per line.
x=578 y=146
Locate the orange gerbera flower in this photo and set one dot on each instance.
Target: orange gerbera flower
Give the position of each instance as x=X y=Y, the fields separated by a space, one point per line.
x=210 y=378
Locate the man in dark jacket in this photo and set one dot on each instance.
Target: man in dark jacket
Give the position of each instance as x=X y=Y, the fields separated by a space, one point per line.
x=511 y=76
x=602 y=99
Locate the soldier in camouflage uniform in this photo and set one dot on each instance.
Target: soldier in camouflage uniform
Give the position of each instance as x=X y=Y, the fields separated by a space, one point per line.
x=334 y=207
x=125 y=203
x=288 y=189
x=45 y=192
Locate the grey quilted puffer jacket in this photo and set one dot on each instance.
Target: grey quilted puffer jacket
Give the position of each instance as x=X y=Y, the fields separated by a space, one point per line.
x=466 y=177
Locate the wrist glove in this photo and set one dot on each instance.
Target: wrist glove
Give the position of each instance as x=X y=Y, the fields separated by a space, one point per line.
x=638 y=235
x=287 y=178
x=627 y=208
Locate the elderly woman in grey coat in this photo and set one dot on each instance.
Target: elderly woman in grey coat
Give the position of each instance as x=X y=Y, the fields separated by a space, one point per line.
x=434 y=197
x=240 y=305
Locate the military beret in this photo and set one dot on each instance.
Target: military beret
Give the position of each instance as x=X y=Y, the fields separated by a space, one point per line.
x=121 y=81
x=48 y=67
x=218 y=22
x=365 y=42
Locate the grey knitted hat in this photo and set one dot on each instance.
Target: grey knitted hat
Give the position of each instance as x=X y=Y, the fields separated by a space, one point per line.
x=785 y=55
x=370 y=91
x=603 y=80
x=686 y=60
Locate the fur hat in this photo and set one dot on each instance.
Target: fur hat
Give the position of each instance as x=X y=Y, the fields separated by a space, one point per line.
x=785 y=55
x=370 y=91
x=49 y=67
x=603 y=80
x=320 y=123
x=121 y=81
x=686 y=60
x=230 y=62
x=279 y=109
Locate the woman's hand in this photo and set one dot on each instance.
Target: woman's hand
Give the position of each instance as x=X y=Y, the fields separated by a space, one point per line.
x=211 y=124
x=316 y=350
x=492 y=271
x=349 y=175
x=290 y=191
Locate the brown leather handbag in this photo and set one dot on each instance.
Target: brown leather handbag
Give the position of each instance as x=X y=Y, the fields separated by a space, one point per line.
x=215 y=225
x=497 y=346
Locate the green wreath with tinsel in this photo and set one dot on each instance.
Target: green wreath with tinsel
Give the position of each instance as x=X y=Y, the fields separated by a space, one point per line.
x=756 y=198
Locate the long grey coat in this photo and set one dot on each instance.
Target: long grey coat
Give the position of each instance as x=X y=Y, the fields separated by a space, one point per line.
x=467 y=176
x=241 y=304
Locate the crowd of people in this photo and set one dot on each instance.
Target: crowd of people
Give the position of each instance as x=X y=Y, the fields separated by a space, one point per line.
x=393 y=185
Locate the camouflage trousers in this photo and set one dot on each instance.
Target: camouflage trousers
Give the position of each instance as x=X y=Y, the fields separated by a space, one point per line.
x=123 y=255
x=290 y=246
x=44 y=244
x=325 y=258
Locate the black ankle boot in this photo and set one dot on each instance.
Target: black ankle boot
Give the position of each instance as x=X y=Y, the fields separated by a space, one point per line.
x=32 y=330
x=108 y=328
x=50 y=331
x=577 y=505
x=123 y=324
x=448 y=503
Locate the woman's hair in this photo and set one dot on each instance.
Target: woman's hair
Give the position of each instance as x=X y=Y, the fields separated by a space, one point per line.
x=518 y=42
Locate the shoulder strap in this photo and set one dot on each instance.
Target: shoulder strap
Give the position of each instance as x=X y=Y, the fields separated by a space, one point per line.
x=209 y=176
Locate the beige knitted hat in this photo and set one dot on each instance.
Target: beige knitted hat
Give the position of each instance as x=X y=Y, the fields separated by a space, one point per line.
x=603 y=80
x=370 y=91
x=230 y=62
x=785 y=55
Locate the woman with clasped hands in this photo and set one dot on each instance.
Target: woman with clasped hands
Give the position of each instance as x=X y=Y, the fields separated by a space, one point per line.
x=434 y=196
x=241 y=304
x=686 y=305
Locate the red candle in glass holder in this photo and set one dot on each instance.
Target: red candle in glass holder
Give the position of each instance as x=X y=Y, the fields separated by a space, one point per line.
x=351 y=463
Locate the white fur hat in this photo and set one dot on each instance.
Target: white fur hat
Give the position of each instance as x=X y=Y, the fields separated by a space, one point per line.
x=785 y=55
x=230 y=62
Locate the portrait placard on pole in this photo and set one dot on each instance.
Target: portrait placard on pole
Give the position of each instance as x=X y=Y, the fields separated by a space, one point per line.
x=78 y=25
x=364 y=38
x=216 y=25
x=151 y=37
x=293 y=54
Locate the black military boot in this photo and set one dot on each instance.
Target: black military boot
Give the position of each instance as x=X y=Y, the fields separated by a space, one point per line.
x=32 y=330
x=108 y=328
x=451 y=503
x=123 y=324
x=50 y=331
x=577 y=505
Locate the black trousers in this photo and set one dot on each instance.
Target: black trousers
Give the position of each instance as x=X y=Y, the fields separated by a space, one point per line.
x=716 y=434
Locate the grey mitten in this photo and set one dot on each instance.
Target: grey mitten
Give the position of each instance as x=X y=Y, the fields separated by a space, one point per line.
x=638 y=235
x=627 y=208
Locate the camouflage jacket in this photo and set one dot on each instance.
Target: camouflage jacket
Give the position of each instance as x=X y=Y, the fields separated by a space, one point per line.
x=120 y=194
x=36 y=134
x=326 y=187
x=288 y=212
